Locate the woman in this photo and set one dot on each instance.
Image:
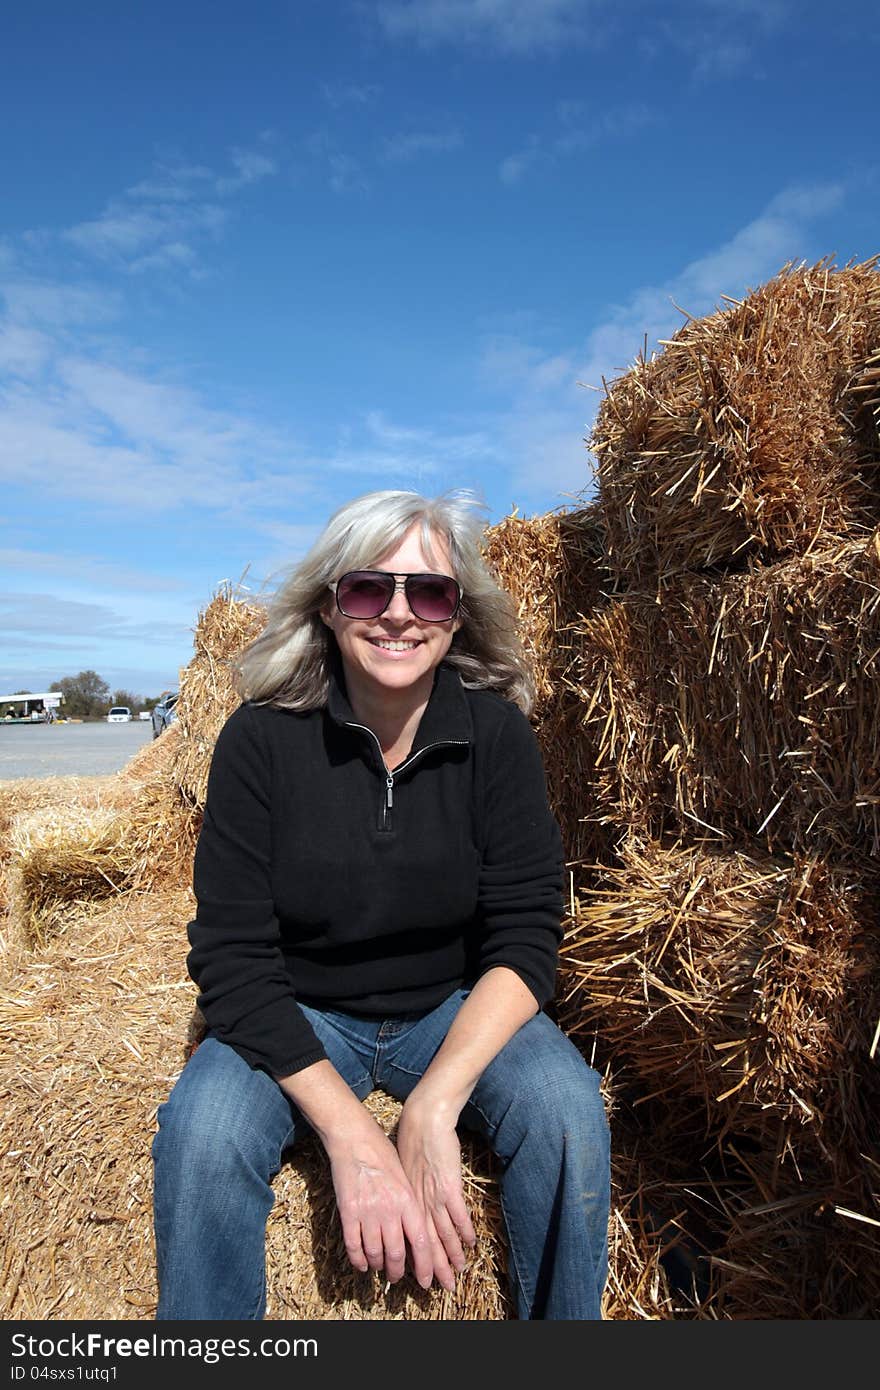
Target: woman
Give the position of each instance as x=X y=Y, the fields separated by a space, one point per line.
x=379 y=896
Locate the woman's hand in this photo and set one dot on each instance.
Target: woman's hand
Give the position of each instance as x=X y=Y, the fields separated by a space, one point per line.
x=377 y=1206
x=430 y=1155
x=375 y=1200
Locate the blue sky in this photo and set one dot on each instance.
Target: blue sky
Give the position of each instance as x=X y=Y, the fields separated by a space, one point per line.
x=256 y=260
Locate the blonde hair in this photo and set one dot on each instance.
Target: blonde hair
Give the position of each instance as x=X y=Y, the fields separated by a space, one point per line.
x=288 y=665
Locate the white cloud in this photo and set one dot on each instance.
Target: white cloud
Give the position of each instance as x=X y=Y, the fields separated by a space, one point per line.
x=158 y=223
x=132 y=442
x=251 y=166
x=68 y=620
x=580 y=131
x=173 y=255
x=718 y=37
x=515 y=166
x=720 y=60
x=399 y=149
x=82 y=569
x=349 y=94
x=174 y=183
x=346 y=175
x=344 y=172
x=23 y=351
x=514 y=26
x=430 y=444
x=133 y=236
x=46 y=303
x=721 y=39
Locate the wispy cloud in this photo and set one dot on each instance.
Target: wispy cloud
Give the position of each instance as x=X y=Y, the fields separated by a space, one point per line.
x=718 y=38
x=86 y=569
x=513 y=26
x=67 y=619
x=49 y=303
x=408 y=456
x=160 y=222
x=722 y=38
x=401 y=148
x=175 y=183
x=340 y=94
x=344 y=172
x=134 y=443
x=577 y=130
x=251 y=166
x=23 y=351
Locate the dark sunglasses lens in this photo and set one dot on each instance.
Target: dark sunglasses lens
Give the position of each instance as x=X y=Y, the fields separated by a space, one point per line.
x=432 y=597
x=363 y=595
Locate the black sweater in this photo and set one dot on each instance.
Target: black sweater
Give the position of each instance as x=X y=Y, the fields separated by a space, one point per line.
x=321 y=877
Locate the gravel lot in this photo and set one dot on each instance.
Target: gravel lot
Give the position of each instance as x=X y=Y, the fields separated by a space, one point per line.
x=69 y=750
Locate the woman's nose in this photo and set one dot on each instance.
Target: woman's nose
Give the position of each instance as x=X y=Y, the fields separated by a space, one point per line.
x=398 y=609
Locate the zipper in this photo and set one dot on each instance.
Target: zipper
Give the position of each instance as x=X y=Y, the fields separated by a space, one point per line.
x=388 y=798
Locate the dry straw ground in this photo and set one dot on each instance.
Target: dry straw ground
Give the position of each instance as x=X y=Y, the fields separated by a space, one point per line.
x=705 y=641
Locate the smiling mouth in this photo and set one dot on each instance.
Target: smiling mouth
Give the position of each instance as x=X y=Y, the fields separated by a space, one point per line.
x=389 y=644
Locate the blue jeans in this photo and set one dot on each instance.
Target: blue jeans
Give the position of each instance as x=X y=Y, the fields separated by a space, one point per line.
x=225 y=1127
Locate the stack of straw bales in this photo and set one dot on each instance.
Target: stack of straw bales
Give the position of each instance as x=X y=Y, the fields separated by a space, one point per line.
x=727 y=955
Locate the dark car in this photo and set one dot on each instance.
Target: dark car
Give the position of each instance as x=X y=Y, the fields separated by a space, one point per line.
x=164 y=712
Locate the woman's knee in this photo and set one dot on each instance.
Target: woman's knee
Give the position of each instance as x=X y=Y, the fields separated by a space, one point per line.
x=219 y=1115
x=544 y=1086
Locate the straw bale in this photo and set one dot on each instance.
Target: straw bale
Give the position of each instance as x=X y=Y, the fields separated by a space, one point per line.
x=746 y=1235
x=787 y=1241
x=751 y=434
x=743 y=988
x=89 y=1038
x=81 y=854
x=207 y=693
x=744 y=706
x=28 y=795
x=131 y=831
x=553 y=568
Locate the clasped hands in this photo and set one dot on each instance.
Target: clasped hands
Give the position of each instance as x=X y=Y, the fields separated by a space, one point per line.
x=403 y=1201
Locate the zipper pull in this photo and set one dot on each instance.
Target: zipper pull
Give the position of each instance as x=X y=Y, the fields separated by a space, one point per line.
x=389 y=792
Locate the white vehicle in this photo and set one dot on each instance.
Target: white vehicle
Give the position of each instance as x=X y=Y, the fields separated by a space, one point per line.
x=119 y=714
x=164 y=712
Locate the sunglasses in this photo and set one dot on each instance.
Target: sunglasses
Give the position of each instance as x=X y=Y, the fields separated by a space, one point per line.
x=433 y=598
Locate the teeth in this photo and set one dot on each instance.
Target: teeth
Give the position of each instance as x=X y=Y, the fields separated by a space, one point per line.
x=390 y=646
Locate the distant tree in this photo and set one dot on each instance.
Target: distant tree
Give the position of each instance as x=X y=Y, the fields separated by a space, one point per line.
x=126 y=697
x=85 y=695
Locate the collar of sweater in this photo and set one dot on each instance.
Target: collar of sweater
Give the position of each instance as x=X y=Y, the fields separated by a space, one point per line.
x=447 y=717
